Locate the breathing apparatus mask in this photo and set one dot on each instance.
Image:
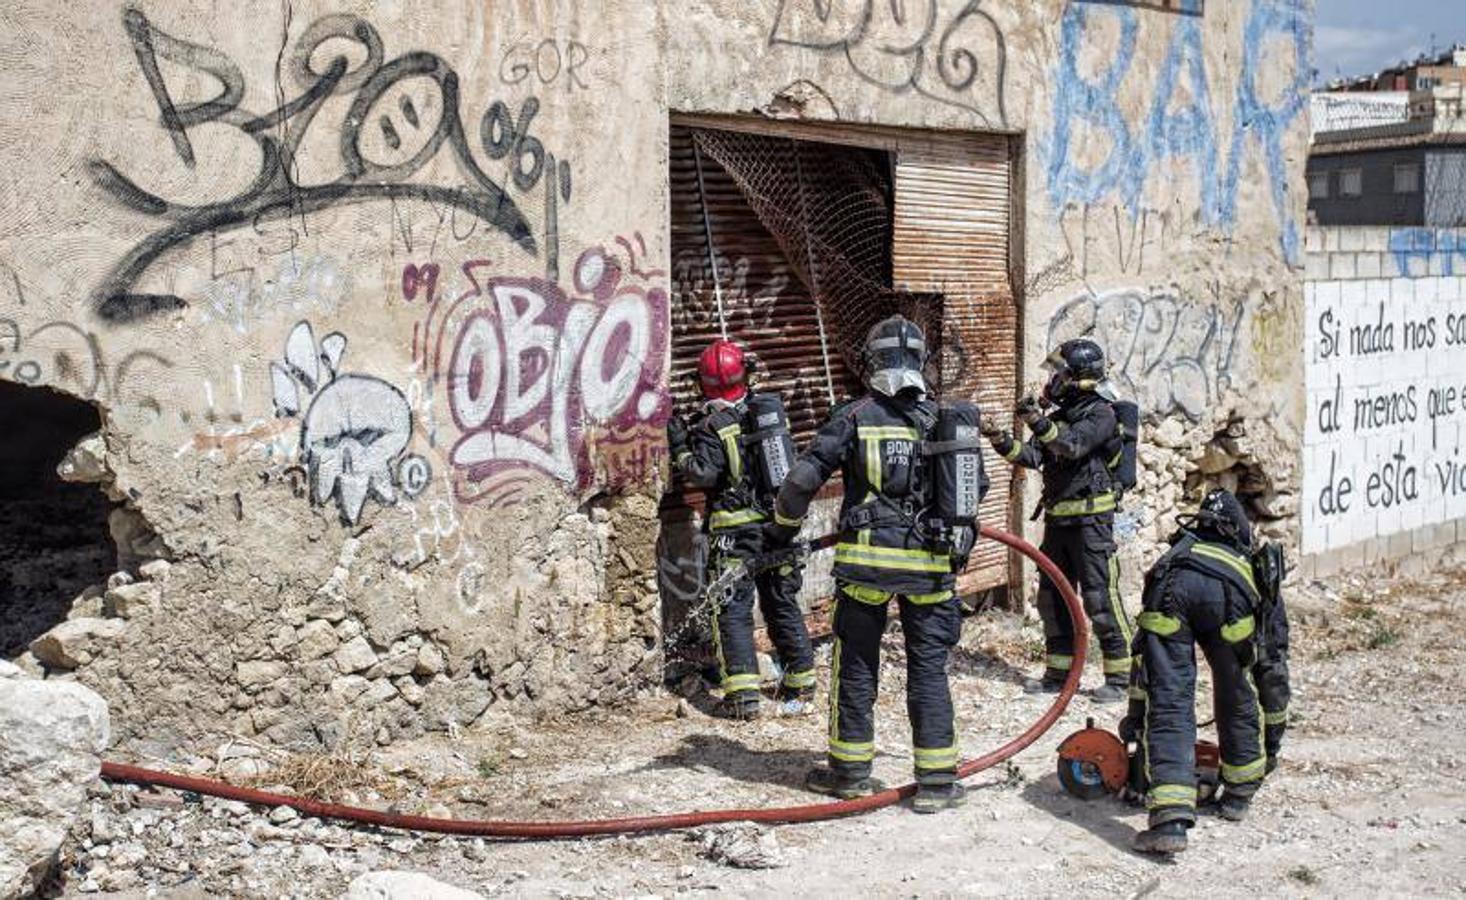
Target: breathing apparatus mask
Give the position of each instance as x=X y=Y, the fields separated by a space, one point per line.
x=894 y=356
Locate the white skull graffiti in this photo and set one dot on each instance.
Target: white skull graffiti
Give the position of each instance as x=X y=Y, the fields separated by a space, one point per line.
x=353 y=433
x=355 y=429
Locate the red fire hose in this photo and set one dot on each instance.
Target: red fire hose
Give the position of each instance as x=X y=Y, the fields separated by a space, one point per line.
x=810 y=813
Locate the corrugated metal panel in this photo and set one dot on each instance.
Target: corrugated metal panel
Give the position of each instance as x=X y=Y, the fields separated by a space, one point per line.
x=766 y=307
x=951 y=237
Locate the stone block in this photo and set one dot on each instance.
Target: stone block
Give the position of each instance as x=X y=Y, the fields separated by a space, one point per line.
x=356 y=655
x=52 y=734
x=316 y=639
x=257 y=673
x=76 y=642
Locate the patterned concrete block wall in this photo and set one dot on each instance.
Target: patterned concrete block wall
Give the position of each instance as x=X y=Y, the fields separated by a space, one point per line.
x=1384 y=473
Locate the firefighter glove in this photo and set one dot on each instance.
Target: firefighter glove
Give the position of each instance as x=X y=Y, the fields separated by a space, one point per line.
x=1029 y=411
x=777 y=537
x=676 y=434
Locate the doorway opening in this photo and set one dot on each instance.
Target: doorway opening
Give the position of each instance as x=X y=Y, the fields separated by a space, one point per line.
x=54 y=539
x=792 y=239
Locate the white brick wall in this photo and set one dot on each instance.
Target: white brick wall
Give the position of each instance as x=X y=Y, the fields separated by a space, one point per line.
x=1363 y=286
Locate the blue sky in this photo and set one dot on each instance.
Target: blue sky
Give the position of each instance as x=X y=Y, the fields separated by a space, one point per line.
x=1356 y=37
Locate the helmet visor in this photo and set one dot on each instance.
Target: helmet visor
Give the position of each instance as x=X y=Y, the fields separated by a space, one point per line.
x=905 y=351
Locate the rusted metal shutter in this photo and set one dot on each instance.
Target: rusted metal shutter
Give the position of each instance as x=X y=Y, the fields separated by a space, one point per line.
x=953 y=209
x=766 y=307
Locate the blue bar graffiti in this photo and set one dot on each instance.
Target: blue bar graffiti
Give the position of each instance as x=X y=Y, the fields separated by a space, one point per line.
x=1188 y=134
x=1423 y=244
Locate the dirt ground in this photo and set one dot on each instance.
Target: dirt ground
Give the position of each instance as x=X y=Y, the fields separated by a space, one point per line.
x=1366 y=802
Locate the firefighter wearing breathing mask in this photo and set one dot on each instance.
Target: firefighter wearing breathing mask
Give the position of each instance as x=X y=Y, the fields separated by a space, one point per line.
x=913 y=480
x=1077 y=444
x=1208 y=591
x=740 y=450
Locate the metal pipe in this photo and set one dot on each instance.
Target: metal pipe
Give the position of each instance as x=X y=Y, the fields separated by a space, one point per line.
x=707 y=228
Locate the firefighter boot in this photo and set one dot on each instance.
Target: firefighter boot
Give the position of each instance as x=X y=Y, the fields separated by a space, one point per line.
x=1164 y=839
x=742 y=705
x=931 y=798
x=827 y=781
x=1112 y=691
x=1044 y=685
x=1232 y=806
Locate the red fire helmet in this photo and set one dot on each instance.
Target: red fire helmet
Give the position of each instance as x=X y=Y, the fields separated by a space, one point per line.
x=721 y=371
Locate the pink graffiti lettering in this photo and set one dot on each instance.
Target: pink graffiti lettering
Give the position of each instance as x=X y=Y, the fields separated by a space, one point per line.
x=538 y=378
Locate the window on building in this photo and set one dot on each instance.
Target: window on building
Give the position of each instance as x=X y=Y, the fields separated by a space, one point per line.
x=1351 y=183
x=1318 y=186
x=1407 y=179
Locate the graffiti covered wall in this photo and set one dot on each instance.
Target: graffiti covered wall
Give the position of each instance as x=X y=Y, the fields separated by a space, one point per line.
x=1162 y=199
x=1384 y=476
x=378 y=318
x=374 y=298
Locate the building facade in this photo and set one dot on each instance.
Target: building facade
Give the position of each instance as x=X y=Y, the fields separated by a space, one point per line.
x=379 y=309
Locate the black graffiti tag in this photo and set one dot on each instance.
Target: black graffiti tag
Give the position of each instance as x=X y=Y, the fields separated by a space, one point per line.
x=274 y=192
x=897 y=45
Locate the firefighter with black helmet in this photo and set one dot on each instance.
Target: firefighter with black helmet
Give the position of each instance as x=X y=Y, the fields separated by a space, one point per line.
x=1202 y=593
x=1078 y=444
x=913 y=479
x=740 y=450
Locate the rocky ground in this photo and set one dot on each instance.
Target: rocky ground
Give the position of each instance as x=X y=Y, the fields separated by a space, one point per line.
x=1366 y=802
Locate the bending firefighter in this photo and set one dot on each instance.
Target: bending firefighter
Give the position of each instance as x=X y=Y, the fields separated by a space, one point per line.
x=1087 y=460
x=913 y=481
x=740 y=451
x=1208 y=591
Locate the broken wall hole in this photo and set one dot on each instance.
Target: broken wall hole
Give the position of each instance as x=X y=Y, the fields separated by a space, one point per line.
x=1226 y=462
x=54 y=537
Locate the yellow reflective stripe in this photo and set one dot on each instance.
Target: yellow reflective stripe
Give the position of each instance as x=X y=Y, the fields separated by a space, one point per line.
x=1251 y=681
x=865 y=594
x=1159 y=623
x=730 y=434
x=1087 y=506
x=1116 y=666
x=1228 y=558
x=734 y=518
x=1115 y=460
x=928 y=599
x=740 y=682
x=1171 y=795
x=1014 y=451
x=1275 y=718
x=1239 y=630
x=938 y=758
x=1117 y=605
x=1048 y=437
x=718 y=639
x=1059 y=662
x=851 y=751
x=917 y=561
x=1138 y=693
x=786 y=521
x=683 y=457
x=835 y=676
x=892 y=552
x=799 y=679
x=887 y=432
x=1242 y=774
x=873 y=465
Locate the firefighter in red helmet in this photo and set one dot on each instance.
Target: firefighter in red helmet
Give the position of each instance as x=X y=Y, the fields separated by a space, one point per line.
x=739 y=450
